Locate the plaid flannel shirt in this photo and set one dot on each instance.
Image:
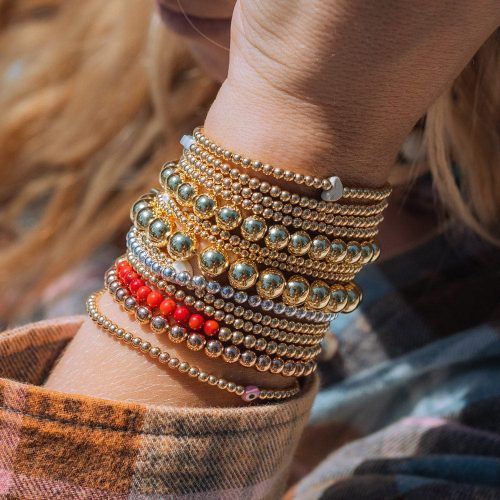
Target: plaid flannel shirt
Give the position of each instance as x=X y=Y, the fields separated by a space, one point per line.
x=409 y=407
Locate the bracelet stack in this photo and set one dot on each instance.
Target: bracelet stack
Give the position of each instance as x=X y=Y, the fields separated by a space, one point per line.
x=273 y=268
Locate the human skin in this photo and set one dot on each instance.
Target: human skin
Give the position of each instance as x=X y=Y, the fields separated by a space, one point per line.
x=331 y=89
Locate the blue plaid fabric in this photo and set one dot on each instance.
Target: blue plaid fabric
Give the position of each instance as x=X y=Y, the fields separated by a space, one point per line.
x=410 y=406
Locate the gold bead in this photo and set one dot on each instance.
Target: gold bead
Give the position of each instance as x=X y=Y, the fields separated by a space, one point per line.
x=242 y=274
x=270 y=284
x=248 y=358
x=181 y=246
x=172 y=182
x=277 y=237
x=177 y=334
x=185 y=193
x=213 y=262
x=320 y=248
x=213 y=349
x=143 y=218
x=366 y=252
x=231 y=354
x=296 y=291
x=319 y=295
x=277 y=365
x=263 y=363
x=288 y=369
x=338 y=251
x=228 y=217
x=204 y=206
x=338 y=298
x=195 y=341
x=159 y=230
x=253 y=228
x=354 y=297
x=353 y=252
x=299 y=244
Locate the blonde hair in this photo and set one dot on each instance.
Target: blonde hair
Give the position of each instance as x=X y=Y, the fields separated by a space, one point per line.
x=463 y=139
x=96 y=94
x=93 y=101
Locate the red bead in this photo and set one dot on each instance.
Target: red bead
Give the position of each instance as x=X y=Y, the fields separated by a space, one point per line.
x=142 y=293
x=211 y=327
x=123 y=265
x=154 y=299
x=135 y=284
x=131 y=275
x=124 y=272
x=181 y=314
x=167 y=307
x=196 y=322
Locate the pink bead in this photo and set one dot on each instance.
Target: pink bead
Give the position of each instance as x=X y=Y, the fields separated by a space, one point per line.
x=251 y=393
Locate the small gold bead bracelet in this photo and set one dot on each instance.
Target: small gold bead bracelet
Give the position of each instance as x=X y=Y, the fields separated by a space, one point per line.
x=247 y=393
x=332 y=188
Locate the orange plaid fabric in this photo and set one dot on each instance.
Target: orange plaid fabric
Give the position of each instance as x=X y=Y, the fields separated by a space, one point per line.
x=55 y=445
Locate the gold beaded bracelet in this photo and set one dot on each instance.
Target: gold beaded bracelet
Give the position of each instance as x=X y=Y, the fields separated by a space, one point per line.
x=146 y=219
x=300 y=218
x=294 y=199
x=332 y=187
x=339 y=272
x=201 y=173
x=248 y=393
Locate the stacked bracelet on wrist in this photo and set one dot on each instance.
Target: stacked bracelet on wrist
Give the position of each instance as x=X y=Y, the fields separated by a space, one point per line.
x=274 y=267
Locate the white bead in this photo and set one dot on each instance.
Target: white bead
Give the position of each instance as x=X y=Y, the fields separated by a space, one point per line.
x=182 y=265
x=187 y=141
x=335 y=192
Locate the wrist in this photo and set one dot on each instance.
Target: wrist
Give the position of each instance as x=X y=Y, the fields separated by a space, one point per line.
x=254 y=118
x=101 y=366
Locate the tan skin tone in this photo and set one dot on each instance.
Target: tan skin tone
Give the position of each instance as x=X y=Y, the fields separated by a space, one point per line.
x=331 y=88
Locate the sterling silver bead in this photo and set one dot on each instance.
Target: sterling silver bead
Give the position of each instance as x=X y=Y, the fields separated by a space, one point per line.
x=143 y=314
x=177 y=334
x=158 y=324
x=129 y=303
